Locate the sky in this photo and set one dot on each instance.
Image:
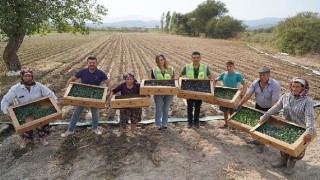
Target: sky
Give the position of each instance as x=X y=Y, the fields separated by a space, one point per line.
x=240 y=9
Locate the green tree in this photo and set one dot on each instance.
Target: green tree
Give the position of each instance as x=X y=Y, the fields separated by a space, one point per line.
x=206 y=11
x=168 y=17
x=300 y=34
x=172 y=23
x=19 y=18
x=227 y=27
x=162 y=22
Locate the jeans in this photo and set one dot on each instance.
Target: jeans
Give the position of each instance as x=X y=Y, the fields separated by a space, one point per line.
x=76 y=115
x=162 y=109
x=197 y=105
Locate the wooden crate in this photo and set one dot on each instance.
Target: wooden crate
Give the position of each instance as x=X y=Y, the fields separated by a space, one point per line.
x=159 y=90
x=31 y=123
x=225 y=102
x=241 y=126
x=293 y=149
x=82 y=101
x=187 y=94
x=118 y=101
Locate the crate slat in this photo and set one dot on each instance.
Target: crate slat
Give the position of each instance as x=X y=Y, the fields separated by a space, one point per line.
x=118 y=101
x=85 y=102
x=44 y=102
x=225 y=102
x=159 y=90
x=187 y=94
x=293 y=149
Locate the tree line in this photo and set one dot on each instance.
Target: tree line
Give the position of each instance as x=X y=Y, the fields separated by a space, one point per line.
x=208 y=18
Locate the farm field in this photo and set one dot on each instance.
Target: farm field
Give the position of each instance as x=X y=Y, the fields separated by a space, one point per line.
x=178 y=153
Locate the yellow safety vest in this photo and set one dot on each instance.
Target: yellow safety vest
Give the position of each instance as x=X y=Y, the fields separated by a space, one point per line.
x=158 y=74
x=202 y=71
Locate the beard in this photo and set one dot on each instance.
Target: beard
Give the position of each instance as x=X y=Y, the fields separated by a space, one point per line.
x=92 y=68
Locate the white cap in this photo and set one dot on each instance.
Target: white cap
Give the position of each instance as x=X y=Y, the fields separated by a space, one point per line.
x=302 y=81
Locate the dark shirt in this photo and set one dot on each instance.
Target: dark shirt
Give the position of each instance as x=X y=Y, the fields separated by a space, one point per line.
x=94 y=78
x=122 y=88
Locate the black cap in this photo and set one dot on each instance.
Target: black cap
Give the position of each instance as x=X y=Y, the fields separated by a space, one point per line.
x=264 y=69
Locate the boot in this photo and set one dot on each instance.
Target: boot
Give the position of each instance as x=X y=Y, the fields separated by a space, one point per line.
x=281 y=162
x=290 y=167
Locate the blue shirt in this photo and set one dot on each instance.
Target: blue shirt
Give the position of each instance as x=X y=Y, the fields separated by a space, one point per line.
x=264 y=97
x=230 y=80
x=94 y=78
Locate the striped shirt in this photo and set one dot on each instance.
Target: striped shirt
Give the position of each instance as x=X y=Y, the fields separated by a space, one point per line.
x=299 y=111
x=21 y=94
x=264 y=97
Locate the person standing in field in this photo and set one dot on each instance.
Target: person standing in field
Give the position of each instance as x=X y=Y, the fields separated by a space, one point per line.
x=162 y=102
x=298 y=108
x=93 y=76
x=128 y=88
x=195 y=70
x=230 y=78
x=267 y=92
x=25 y=91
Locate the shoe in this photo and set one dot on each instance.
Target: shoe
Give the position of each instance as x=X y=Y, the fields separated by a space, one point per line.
x=67 y=133
x=23 y=143
x=255 y=142
x=281 y=162
x=164 y=127
x=197 y=125
x=290 y=167
x=97 y=131
x=261 y=149
x=224 y=126
x=190 y=125
x=159 y=128
x=45 y=143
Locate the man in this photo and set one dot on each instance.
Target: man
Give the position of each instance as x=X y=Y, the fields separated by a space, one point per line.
x=93 y=76
x=267 y=92
x=25 y=91
x=195 y=70
x=230 y=78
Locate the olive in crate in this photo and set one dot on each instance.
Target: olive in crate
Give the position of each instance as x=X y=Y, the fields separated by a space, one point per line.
x=159 y=83
x=288 y=133
x=224 y=93
x=32 y=110
x=200 y=86
x=247 y=116
x=86 y=92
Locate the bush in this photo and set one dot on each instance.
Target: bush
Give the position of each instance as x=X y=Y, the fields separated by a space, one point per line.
x=299 y=35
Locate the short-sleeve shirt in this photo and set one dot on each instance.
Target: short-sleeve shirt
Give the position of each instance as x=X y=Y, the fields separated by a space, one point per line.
x=122 y=88
x=94 y=78
x=264 y=97
x=196 y=72
x=230 y=80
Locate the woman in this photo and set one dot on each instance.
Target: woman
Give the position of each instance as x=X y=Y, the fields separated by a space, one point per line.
x=162 y=72
x=26 y=91
x=129 y=87
x=298 y=108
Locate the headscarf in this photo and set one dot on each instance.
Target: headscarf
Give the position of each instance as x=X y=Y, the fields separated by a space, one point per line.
x=25 y=71
x=125 y=76
x=305 y=84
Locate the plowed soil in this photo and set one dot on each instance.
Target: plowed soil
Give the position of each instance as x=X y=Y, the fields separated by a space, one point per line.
x=177 y=153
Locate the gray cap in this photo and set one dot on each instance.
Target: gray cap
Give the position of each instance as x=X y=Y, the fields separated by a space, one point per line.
x=264 y=69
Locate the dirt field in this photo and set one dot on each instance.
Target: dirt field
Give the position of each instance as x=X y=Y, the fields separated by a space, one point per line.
x=178 y=153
